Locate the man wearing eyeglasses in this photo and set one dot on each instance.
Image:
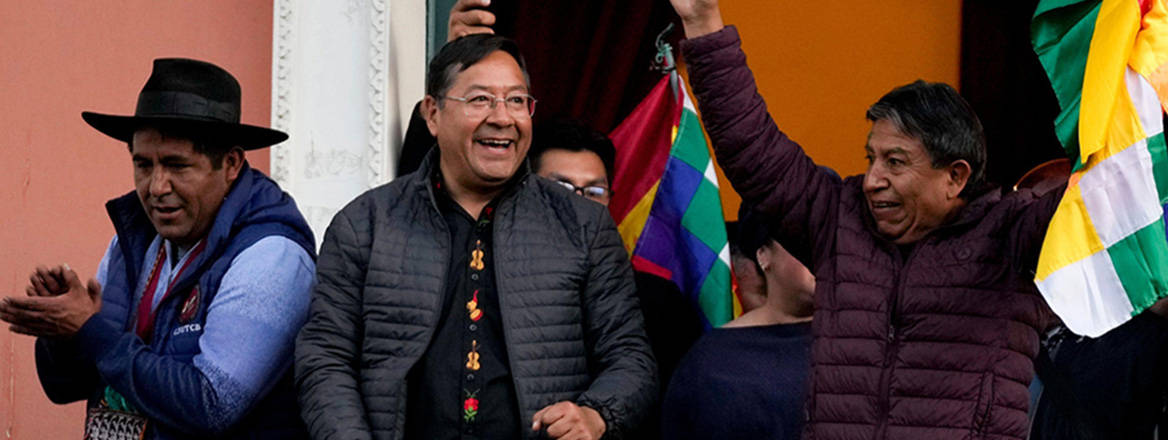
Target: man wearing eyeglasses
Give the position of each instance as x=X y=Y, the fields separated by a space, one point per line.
x=471 y=299
x=580 y=159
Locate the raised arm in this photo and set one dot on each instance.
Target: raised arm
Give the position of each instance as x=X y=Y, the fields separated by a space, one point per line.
x=768 y=169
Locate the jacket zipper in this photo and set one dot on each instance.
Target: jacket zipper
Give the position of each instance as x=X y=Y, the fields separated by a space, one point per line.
x=891 y=349
x=519 y=398
x=400 y=423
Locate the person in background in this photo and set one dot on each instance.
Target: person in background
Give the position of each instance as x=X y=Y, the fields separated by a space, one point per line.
x=749 y=281
x=1109 y=387
x=570 y=153
x=187 y=330
x=748 y=378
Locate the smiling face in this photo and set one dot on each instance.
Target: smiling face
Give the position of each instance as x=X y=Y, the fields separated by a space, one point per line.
x=907 y=196
x=481 y=154
x=179 y=188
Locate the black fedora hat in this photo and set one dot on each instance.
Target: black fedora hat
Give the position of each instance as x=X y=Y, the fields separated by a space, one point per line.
x=196 y=98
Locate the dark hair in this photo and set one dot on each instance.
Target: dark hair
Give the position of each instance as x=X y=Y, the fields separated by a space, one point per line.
x=458 y=55
x=571 y=135
x=753 y=233
x=937 y=116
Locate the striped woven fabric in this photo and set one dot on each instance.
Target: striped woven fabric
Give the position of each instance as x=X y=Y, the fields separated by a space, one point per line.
x=1105 y=257
x=666 y=202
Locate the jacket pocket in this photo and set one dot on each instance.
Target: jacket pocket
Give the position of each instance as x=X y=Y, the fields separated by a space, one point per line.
x=985 y=402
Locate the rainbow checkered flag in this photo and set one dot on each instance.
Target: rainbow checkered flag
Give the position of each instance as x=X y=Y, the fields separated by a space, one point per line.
x=666 y=202
x=1105 y=257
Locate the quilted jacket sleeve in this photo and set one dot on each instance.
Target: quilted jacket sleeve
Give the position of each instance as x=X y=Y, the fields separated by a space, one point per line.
x=769 y=170
x=329 y=345
x=619 y=353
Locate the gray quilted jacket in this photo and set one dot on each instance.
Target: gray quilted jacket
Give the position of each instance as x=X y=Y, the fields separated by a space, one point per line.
x=571 y=320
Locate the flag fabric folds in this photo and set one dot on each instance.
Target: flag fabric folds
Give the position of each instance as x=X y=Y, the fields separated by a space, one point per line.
x=1105 y=256
x=666 y=204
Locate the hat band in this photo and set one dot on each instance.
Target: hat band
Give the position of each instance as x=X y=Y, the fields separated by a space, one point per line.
x=184 y=104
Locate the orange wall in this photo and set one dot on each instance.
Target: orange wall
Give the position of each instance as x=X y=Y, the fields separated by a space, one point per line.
x=62 y=57
x=820 y=64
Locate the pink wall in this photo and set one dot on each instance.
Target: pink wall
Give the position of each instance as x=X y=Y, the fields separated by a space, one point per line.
x=62 y=57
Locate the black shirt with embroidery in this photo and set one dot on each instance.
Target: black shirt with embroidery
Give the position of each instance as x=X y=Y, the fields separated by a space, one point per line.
x=461 y=388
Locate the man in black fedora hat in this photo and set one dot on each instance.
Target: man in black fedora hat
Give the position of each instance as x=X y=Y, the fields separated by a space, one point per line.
x=187 y=329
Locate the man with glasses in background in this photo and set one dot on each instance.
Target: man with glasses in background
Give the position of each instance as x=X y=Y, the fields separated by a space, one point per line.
x=579 y=158
x=471 y=298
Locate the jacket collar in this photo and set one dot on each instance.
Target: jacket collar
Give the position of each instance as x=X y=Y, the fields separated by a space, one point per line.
x=428 y=173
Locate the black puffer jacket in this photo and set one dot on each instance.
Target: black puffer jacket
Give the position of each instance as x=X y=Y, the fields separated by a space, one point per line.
x=570 y=315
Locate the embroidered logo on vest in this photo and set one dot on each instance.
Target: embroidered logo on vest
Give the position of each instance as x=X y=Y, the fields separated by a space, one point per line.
x=190 y=306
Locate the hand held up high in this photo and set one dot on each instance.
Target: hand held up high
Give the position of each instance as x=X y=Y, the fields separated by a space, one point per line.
x=469 y=17
x=699 y=17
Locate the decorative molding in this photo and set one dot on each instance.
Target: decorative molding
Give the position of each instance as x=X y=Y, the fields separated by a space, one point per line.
x=378 y=62
x=337 y=78
x=282 y=89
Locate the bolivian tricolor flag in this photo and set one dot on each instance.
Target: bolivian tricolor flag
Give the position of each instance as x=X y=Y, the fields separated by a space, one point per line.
x=1105 y=257
x=666 y=201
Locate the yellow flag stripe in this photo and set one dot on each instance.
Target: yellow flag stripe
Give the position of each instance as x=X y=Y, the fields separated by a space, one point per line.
x=1111 y=47
x=630 y=228
x=1150 y=53
x=1070 y=220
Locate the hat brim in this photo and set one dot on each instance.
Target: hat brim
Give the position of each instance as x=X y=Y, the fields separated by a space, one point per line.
x=248 y=137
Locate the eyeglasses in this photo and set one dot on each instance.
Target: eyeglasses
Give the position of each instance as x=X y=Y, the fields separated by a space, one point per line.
x=519 y=105
x=592 y=192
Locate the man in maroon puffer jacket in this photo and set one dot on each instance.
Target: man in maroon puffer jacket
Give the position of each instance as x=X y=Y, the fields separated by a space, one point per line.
x=926 y=316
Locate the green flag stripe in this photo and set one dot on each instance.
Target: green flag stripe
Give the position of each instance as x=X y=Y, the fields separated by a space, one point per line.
x=1156 y=147
x=690 y=145
x=1139 y=260
x=1061 y=34
x=703 y=217
x=714 y=297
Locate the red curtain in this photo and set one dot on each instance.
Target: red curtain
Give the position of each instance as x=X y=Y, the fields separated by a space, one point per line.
x=590 y=60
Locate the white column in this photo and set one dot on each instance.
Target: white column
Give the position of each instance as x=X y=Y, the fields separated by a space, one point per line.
x=345 y=76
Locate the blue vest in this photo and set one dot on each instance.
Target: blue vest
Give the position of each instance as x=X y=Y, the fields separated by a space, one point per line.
x=255 y=208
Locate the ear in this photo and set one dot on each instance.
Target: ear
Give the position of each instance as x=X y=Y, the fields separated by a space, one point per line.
x=762 y=256
x=232 y=163
x=958 y=174
x=430 y=114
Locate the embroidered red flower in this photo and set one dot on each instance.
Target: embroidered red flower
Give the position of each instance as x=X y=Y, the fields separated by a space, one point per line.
x=470 y=408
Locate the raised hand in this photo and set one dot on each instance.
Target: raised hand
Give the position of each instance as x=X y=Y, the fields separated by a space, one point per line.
x=699 y=17
x=469 y=17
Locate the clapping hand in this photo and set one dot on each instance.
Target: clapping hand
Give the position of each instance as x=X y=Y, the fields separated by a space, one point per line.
x=57 y=304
